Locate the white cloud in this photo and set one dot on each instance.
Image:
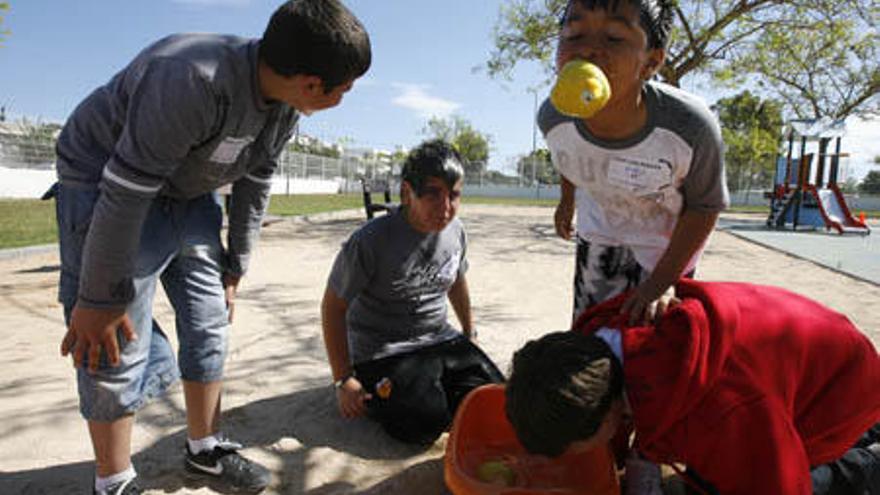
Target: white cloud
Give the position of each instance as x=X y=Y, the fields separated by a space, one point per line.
x=416 y=98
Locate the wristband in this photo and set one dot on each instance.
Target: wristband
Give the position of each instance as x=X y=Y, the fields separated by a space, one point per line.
x=339 y=383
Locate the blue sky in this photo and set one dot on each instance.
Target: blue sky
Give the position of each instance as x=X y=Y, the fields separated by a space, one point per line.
x=423 y=56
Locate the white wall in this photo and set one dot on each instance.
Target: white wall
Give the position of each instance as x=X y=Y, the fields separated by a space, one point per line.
x=27 y=183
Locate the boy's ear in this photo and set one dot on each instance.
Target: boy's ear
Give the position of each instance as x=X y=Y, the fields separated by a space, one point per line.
x=312 y=85
x=656 y=57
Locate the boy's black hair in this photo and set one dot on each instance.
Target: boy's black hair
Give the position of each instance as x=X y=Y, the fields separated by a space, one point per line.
x=560 y=390
x=435 y=158
x=655 y=16
x=319 y=38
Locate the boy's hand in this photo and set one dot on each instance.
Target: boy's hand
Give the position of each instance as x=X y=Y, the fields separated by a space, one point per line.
x=92 y=329
x=647 y=304
x=230 y=287
x=350 y=397
x=562 y=219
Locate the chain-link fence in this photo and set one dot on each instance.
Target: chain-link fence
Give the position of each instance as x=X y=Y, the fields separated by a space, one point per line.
x=17 y=151
x=35 y=155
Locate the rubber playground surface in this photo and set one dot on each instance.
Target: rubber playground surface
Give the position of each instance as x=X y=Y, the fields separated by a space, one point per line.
x=278 y=400
x=853 y=254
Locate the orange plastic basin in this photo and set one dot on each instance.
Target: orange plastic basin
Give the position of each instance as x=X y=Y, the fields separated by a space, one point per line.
x=481 y=433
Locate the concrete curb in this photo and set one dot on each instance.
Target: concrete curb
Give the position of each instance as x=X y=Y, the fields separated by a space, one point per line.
x=23 y=252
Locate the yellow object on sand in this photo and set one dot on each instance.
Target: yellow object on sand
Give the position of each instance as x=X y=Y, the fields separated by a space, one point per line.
x=496 y=473
x=581 y=89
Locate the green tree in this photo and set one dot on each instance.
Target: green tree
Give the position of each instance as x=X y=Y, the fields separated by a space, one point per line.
x=314 y=147
x=472 y=144
x=537 y=165
x=4 y=7
x=752 y=129
x=820 y=57
x=849 y=186
x=871 y=183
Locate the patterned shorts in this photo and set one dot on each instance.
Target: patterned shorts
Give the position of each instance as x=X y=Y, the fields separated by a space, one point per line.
x=602 y=272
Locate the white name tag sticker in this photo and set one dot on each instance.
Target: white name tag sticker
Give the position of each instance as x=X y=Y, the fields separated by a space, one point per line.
x=638 y=176
x=228 y=150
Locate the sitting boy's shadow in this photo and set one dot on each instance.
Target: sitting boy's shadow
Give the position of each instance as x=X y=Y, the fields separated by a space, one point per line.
x=285 y=428
x=311 y=417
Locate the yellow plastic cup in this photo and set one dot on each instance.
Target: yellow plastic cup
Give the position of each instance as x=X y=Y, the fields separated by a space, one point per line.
x=581 y=89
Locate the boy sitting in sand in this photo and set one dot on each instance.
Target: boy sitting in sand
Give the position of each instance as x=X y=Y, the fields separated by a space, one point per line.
x=384 y=309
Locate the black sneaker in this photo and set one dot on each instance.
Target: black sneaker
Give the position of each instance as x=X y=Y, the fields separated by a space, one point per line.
x=225 y=467
x=127 y=487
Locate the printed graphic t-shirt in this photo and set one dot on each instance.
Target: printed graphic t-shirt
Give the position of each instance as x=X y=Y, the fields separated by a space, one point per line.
x=632 y=192
x=395 y=281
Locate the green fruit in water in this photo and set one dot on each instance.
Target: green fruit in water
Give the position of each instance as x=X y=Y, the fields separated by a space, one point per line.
x=581 y=89
x=496 y=473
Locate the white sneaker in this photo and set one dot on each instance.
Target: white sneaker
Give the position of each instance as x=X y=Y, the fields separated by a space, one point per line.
x=642 y=477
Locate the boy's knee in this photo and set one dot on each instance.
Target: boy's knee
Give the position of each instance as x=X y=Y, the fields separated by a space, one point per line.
x=416 y=429
x=418 y=422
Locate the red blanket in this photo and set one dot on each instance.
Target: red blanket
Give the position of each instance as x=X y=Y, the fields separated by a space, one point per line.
x=749 y=385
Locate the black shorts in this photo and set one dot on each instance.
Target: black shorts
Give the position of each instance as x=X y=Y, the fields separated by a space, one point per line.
x=427 y=385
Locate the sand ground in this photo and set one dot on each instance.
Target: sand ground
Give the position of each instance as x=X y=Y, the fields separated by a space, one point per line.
x=277 y=398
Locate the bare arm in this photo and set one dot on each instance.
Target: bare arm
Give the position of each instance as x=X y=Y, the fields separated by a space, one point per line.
x=565 y=209
x=691 y=231
x=350 y=396
x=460 y=297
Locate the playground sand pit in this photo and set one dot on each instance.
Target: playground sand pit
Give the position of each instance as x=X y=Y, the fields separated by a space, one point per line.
x=278 y=400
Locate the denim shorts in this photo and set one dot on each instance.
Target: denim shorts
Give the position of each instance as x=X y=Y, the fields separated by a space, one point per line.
x=180 y=246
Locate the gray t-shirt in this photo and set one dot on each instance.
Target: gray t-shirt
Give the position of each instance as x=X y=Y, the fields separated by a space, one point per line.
x=185 y=117
x=632 y=192
x=395 y=281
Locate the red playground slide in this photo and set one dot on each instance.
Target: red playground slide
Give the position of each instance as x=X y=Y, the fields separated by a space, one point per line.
x=836 y=213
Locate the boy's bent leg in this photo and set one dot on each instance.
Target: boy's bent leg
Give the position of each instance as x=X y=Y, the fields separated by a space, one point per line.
x=109 y=397
x=858 y=471
x=416 y=411
x=466 y=367
x=193 y=282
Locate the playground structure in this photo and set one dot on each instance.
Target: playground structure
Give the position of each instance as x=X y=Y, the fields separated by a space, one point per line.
x=801 y=199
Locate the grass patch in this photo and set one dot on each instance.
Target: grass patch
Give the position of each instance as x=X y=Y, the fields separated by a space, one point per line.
x=27 y=222
x=488 y=200
x=307 y=204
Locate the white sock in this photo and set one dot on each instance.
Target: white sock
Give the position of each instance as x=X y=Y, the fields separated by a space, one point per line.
x=204 y=444
x=102 y=484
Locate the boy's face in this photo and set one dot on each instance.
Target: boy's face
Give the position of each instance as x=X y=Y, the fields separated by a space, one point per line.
x=315 y=98
x=435 y=208
x=615 y=41
x=306 y=93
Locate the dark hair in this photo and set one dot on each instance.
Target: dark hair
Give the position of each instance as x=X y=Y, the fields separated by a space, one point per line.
x=435 y=158
x=560 y=390
x=316 y=37
x=655 y=16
